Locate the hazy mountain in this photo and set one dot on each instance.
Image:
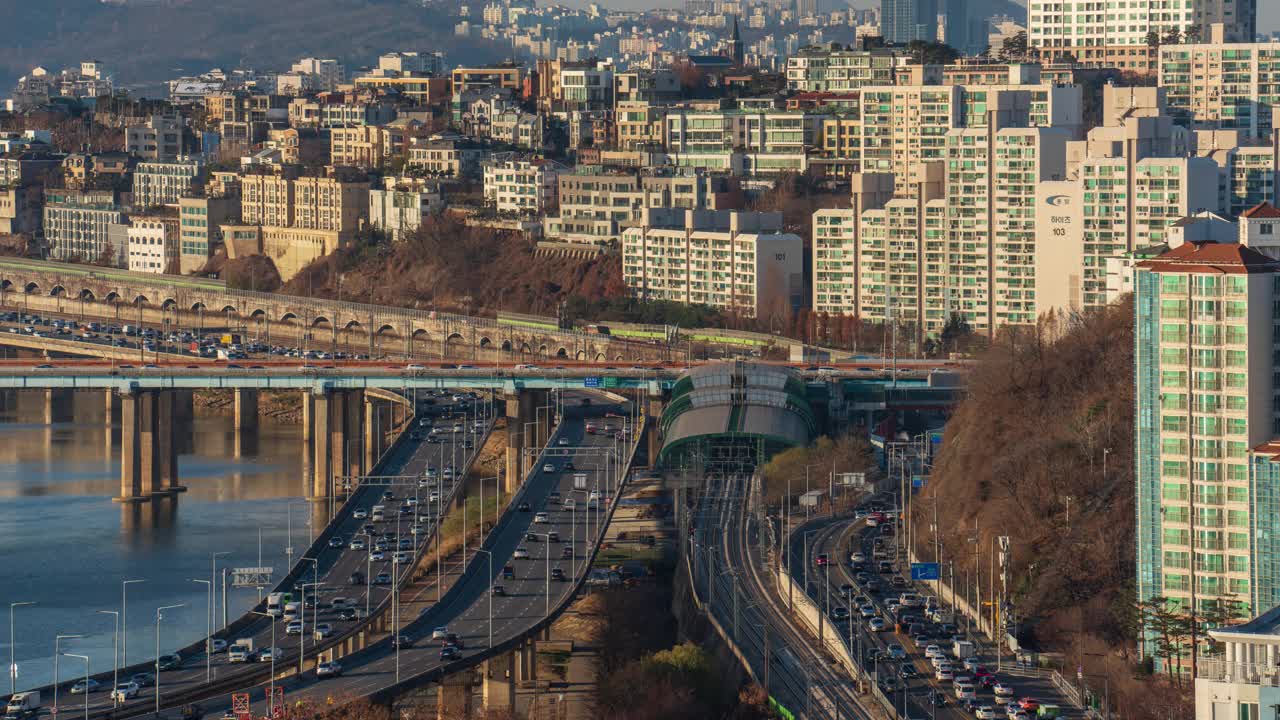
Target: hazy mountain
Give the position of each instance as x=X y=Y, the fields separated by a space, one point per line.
x=147 y=41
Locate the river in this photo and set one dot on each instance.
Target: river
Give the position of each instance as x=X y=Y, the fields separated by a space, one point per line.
x=67 y=547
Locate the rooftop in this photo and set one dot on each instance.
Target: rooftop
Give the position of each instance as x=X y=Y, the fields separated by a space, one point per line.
x=1263 y=209
x=1211 y=257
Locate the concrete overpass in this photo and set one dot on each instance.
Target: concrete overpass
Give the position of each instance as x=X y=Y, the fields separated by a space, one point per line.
x=119 y=296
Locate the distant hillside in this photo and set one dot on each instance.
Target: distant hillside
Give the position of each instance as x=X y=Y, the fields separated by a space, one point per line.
x=146 y=43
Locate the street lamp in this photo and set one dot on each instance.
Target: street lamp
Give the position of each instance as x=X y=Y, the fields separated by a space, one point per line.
x=13 y=665
x=213 y=580
x=271 y=693
x=546 y=537
x=85 y=658
x=57 y=640
x=115 y=649
x=490 y=556
x=124 y=620
x=315 y=580
x=208 y=629
x=160 y=616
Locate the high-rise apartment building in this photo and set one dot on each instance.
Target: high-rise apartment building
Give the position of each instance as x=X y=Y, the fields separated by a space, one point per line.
x=902 y=21
x=828 y=70
x=1223 y=86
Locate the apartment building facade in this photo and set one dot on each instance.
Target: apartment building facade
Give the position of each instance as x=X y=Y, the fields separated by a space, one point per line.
x=595 y=203
x=735 y=261
x=523 y=187
x=76 y=223
x=831 y=70
x=1223 y=86
x=162 y=183
x=153 y=245
x=399 y=207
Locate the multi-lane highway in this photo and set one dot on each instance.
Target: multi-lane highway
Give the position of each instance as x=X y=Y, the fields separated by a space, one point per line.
x=894 y=655
x=564 y=535
x=451 y=429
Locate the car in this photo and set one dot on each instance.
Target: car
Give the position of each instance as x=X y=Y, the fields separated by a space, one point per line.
x=401 y=640
x=908 y=670
x=1029 y=704
x=499 y=590
x=382 y=578
x=857 y=558
x=348 y=614
x=388 y=495
x=377 y=556
x=840 y=612
x=293 y=628
x=877 y=624
x=328 y=669
x=449 y=652
x=452 y=639
x=322 y=631
x=985 y=712
x=336 y=541
x=898 y=581
x=523 y=507
x=897 y=652
x=124 y=691
x=402 y=557
x=541 y=518
x=548 y=468
x=846 y=590
x=933 y=651
x=821 y=560
x=358 y=544
x=170 y=662
x=566 y=552
x=440 y=633
x=563 y=442
x=557 y=574
x=867 y=611
x=1013 y=712
x=143 y=679
x=1003 y=692
x=217 y=645
x=554 y=497
x=972 y=664
x=508 y=572
x=521 y=553
x=87 y=685
x=532 y=536
x=944 y=673
x=553 y=536
x=937 y=699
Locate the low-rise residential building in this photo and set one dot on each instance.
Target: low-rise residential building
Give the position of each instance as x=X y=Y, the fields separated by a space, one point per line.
x=21 y=209
x=527 y=131
x=596 y=202
x=508 y=76
x=524 y=187
x=365 y=146
x=399 y=207
x=735 y=261
x=448 y=156
x=76 y=223
x=162 y=183
x=1243 y=681
x=200 y=219
x=159 y=139
x=153 y=245
x=836 y=70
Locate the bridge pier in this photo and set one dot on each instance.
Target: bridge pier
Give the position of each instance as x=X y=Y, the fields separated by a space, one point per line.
x=246 y=410
x=652 y=423
x=308 y=411
x=58 y=406
x=148 y=457
x=520 y=409
x=336 y=429
x=166 y=445
x=454 y=699
x=184 y=417
x=498 y=688
x=320 y=465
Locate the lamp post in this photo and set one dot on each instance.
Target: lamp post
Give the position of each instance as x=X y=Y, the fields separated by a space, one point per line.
x=124 y=620
x=315 y=580
x=115 y=649
x=160 y=616
x=57 y=640
x=490 y=556
x=208 y=630
x=546 y=538
x=85 y=658
x=271 y=692
x=13 y=665
x=213 y=579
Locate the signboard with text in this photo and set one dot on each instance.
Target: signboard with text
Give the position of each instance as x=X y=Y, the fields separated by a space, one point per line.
x=925 y=571
x=240 y=706
x=591 y=382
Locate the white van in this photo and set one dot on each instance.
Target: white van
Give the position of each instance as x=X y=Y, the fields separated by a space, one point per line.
x=379 y=513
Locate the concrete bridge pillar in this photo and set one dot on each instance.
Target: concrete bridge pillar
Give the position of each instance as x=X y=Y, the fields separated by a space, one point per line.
x=652 y=422
x=320 y=438
x=58 y=405
x=246 y=410
x=454 y=698
x=308 y=411
x=166 y=444
x=372 y=442
x=111 y=408
x=521 y=407
x=498 y=691
x=140 y=451
x=353 y=432
x=184 y=417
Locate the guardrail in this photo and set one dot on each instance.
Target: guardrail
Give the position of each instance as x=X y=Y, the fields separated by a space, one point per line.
x=386 y=694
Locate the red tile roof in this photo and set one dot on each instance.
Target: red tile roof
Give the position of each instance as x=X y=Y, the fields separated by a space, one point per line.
x=1263 y=209
x=1212 y=257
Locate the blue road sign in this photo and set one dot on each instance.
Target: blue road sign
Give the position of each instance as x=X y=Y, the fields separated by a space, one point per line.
x=917 y=481
x=592 y=382
x=924 y=571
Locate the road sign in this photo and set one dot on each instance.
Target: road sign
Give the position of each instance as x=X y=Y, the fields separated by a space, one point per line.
x=277 y=702
x=852 y=479
x=247 y=577
x=591 y=382
x=611 y=382
x=917 y=481
x=924 y=571
x=240 y=706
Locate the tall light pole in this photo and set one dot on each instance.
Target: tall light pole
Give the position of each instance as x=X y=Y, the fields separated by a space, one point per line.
x=208 y=630
x=490 y=556
x=315 y=580
x=160 y=616
x=57 y=641
x=13 y=665
x=213 y=579
x=546 y=538
x=124 y=620
x=115 y=649
x=271 y=692
x=85 y=658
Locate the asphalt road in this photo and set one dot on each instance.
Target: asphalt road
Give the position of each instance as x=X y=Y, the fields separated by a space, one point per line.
x=335 y=565
x=465 y=610
x=837 y=538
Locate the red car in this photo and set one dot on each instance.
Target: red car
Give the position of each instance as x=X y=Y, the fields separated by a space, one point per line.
x=1029 y=704
x=821 y=559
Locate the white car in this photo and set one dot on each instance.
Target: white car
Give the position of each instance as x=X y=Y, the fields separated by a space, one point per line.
x=933 y=651
x=377 y=556
x=402 y=557
x=440 y=633
x=1002 y=691
x=266 y=654
x=541 y=518
x=217 y=645
x=985 y=712
x=563 y=442
x=328 y=669
x=857 y=557
x=521 y=554
x=322 y=631
x=83 y=686
x=877 y=624
x=1013 y=712
x=358 y=544
x=360 y=513
x=293 y=628
x=965 y=690
x=944 y=673
x=124 y=691
x=548 y=468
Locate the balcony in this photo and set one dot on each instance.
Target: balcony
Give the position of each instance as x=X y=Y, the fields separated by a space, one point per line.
x=1238 y=673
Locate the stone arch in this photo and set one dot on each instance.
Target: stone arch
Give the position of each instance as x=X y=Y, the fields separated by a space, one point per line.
x=6 y=284
x=600 y=357
x=354 y=324
x=198 y=306
x=31 y=288
x=485 y=342
x=87 y=294
x=617 y=358
x=256 y=314
x=384 y=331
x=112 y=296
x=525 y=349
x=288 y=318
x=454 y=337
x=542 y=350
x=562 y=353
x=506 y=346
x=580 y=355
x=319 y=321
x=58 y=291
x=168 y=304
x=231 y=308
x=141 y=299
